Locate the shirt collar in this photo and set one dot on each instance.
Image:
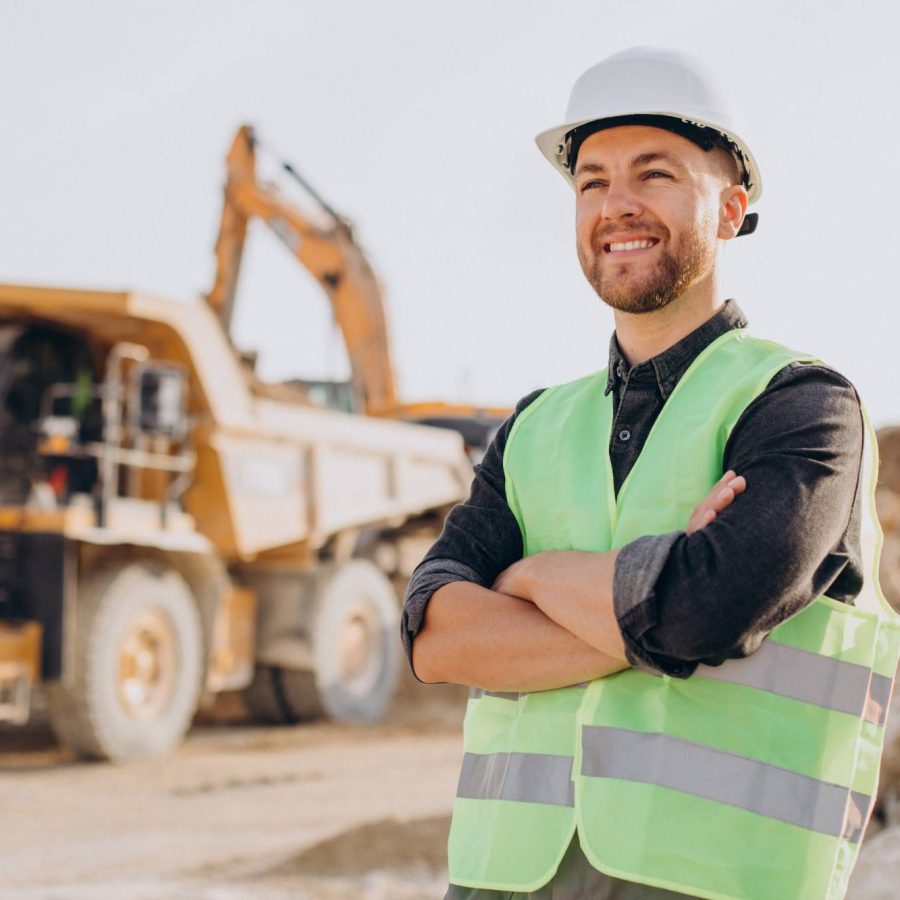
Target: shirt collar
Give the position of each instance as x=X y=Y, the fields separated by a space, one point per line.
x=666 y=368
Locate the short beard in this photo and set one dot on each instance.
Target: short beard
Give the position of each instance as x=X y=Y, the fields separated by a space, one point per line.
x=676 y=270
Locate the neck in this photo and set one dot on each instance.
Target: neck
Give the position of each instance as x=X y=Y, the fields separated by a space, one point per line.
x=645 y=335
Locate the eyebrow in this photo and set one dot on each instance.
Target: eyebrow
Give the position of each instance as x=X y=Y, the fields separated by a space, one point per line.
x=642 y=160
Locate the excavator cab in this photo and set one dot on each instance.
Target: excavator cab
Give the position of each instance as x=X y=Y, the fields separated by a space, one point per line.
x=337 y=395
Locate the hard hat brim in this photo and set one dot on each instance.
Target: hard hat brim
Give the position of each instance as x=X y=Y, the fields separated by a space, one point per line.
x=550 y=141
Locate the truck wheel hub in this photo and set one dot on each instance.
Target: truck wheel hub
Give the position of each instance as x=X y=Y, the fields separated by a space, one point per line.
x=147 y=665
x=357 y=648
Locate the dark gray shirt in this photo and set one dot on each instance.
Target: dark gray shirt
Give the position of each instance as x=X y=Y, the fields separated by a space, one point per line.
x=713 y=595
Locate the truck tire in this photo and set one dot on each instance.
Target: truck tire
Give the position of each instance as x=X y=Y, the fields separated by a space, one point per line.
x=138 y=665
x=280 y=696
x=355 y=650
x=356 y=644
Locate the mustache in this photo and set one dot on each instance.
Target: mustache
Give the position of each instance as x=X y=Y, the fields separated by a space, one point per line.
x=602 y=236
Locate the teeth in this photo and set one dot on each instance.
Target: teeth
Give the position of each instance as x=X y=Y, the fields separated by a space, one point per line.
x=630 y=245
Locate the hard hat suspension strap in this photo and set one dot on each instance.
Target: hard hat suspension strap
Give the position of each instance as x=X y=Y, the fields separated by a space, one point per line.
x=702 y=135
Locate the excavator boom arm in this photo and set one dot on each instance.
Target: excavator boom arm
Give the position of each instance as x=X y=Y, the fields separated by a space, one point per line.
x=329 y=253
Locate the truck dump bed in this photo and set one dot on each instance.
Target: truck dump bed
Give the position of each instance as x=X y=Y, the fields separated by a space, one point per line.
x=270 y=474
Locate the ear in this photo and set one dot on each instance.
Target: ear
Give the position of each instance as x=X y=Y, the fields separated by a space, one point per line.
x=732 y=208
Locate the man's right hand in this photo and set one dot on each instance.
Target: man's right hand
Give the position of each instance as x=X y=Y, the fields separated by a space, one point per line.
x=719 y=498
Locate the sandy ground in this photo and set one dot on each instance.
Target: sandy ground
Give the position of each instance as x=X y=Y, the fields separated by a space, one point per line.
x=310 y=811
x=318 y=811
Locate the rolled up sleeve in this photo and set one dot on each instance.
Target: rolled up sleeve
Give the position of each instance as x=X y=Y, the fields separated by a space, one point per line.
x=682 y=600
x=638 y=567
x=480 y=538
x=426 y=579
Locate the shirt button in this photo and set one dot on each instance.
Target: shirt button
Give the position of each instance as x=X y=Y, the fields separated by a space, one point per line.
x=624 y=434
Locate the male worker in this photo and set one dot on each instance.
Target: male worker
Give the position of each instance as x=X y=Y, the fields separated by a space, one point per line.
x=663 y=585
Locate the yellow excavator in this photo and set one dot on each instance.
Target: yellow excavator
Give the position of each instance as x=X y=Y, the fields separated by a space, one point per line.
x=326 y=247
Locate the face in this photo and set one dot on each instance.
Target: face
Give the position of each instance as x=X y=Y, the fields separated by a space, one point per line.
x=649 y=211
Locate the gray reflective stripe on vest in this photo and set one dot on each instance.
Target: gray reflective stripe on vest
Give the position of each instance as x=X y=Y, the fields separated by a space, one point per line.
x=806 y=676
x=728 y=778
x=526 y=777
x=478 y=693
x=878 y=699
x=809 y=677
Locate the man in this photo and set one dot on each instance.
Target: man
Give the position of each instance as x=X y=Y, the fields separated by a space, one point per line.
x=662 y=586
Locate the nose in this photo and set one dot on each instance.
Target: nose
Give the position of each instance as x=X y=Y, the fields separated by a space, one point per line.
x=620 y=201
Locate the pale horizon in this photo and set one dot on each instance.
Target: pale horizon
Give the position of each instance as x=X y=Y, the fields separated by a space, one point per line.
x=418 y=124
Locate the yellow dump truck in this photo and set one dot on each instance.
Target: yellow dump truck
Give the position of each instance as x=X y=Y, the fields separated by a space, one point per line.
x=171 y=528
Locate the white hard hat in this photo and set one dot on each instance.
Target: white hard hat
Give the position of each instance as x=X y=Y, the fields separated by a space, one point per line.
x=650 y=86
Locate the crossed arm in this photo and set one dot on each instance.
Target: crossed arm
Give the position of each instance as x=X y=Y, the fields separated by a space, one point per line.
x=547 y=621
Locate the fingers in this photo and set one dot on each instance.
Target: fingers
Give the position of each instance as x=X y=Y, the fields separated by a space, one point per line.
x=720 y=497
x=700 y=519
x=723 y=496
x=729 y=479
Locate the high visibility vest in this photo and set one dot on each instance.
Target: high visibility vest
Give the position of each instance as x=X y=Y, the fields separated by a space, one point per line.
x=752 y=779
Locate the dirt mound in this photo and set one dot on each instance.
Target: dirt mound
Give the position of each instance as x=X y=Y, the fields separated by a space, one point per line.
x=875 y=875
x=387 y=844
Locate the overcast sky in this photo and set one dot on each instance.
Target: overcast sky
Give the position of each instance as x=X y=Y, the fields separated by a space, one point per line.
x=417 y=121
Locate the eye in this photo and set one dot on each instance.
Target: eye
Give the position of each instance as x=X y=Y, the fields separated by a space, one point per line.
x=589 y=185
x=657 y=173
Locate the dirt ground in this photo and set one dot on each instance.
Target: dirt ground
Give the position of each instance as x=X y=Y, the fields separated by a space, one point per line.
x=238 y=811
x=309 y=811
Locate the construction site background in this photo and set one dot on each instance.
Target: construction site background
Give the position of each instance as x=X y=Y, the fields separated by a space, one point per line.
x=418 y=123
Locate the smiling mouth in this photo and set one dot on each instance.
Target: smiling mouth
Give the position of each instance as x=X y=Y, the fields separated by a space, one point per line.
x=625 y=246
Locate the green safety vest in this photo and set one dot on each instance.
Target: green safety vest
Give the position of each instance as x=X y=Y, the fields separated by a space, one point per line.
x=752 y=779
